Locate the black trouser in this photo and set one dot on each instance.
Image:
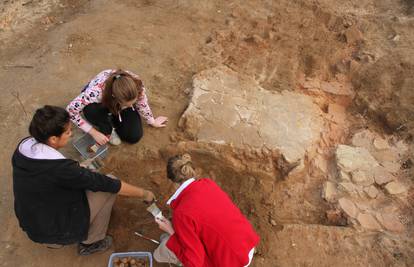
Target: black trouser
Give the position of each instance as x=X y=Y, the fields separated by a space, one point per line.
x=129 y=129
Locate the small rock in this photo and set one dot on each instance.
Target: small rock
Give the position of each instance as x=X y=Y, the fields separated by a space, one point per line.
x=187 y=91
x=344 y=176
x=348 y=23
x=173 y=137
x=254 y=39
x=371 y=191
x=367 y=221
x=363 y=206
x=353 y=35
x=321 y=163
x=351 y=159
x=311 y=84
x=401 y=146
x=392 y=167
x=407 y=164
x=362 y=178
x=395 y=188
x=364 y=139
x=336 y=88
x=329 y=192
x=390 y=222
x=386 y=155
x=354 y=66
x=348 y=188
x=382 y=176
x=273 y=222
x=348 y=207
x=381 y=144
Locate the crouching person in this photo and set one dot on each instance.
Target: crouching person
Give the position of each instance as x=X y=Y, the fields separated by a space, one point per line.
x=207 y=229
x=57 y=201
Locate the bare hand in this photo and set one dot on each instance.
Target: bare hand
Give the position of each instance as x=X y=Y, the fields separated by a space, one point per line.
x=159 y=122
x=99 y=137
x=86 y=163
x=165 y=225
x=149 y=197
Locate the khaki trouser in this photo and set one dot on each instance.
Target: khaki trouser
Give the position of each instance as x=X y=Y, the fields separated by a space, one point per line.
x=100 y=206
x=163 y=254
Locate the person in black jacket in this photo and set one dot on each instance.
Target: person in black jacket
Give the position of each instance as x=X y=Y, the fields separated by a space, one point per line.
x=56 y=200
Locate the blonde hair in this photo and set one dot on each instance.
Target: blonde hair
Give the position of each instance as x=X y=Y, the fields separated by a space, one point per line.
x=180 y=168
x=120 y=87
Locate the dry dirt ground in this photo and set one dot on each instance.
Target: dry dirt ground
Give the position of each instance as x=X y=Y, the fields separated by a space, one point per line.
x=51 y=48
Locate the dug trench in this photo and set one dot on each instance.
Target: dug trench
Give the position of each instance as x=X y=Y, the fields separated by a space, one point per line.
x=277 y=173
x=267 y=199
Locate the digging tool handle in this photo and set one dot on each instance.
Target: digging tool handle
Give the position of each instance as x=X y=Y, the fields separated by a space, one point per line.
x=147 y=238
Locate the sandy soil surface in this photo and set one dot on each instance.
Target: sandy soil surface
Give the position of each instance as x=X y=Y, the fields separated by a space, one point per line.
x=51 y=48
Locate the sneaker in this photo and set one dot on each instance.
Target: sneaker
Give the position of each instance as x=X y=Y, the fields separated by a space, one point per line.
x=101 y=245
x=114 y=138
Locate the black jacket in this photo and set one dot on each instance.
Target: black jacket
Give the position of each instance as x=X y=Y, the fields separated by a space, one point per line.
x=49 y=198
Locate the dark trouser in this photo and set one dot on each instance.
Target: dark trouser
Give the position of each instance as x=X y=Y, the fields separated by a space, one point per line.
x=129 y=129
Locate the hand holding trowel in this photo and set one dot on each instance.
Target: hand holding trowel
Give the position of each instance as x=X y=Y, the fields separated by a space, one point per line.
x=162 y=222
x=155 y=211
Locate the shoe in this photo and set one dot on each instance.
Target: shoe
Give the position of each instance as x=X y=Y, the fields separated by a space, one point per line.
x=114 y=138
x=101 y=245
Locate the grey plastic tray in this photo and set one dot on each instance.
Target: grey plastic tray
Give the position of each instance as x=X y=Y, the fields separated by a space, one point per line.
x=137 y=255
x=81 y=145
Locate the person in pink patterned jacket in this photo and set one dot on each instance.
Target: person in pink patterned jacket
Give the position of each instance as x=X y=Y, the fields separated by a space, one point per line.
x=113 y=103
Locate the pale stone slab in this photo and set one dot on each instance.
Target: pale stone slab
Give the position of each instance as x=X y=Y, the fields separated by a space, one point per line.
x=348 y=207
x=392 y=167
x=352 y=159
x=344 y=176
x=228 y=108
x=371 y=191
x=395 y=188
x=368 y=221
x=363 y=138
x=390 y=222
x=348 y=187
x=382 y=176
x=362 y=178
x=329 y=192
x=381 y=144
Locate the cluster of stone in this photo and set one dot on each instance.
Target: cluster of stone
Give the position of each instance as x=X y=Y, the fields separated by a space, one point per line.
x=367 y=174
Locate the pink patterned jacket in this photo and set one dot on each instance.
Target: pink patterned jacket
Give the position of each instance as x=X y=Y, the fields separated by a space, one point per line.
x=93 y=94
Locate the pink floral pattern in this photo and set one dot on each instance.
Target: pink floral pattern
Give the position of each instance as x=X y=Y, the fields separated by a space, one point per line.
x=92 y=93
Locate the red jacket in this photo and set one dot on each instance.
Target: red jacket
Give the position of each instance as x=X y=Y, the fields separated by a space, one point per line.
x=209 y=229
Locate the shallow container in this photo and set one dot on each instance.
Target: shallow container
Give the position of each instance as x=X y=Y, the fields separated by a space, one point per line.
x=82 y=143
x=136 y=255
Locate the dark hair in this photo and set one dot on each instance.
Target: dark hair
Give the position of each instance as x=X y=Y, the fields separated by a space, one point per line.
x=120 y=87
x=48 y=121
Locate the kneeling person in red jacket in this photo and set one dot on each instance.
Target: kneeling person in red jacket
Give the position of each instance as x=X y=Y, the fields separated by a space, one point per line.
x=207 y=229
